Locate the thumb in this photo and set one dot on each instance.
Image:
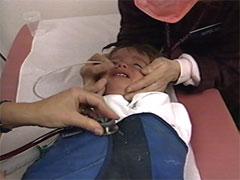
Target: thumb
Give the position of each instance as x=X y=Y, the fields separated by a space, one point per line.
x=100 y=84
x=87 y=123
x=96 y=87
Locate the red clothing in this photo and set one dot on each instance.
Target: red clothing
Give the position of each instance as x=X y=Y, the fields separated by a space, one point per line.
x=215 y=48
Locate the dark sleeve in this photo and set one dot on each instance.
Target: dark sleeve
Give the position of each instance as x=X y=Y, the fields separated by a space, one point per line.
x=137 y=27
x=219 y=61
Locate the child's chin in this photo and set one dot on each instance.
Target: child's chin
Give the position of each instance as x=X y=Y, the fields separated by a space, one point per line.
x=115 y=91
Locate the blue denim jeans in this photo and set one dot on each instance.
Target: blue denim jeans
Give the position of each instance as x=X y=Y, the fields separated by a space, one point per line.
x=146 y=147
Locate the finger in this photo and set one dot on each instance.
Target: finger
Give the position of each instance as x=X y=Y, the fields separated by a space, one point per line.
x=101 y=91
x=142 y=83
x=156 y=86
x=87 y=123
x=95 y=69
x=152 y=87
x=99 y=86
x=101 y=68
x=99 y=57
x=98 y=103
x=129 y=96
x=106 y=63
x=151 y=67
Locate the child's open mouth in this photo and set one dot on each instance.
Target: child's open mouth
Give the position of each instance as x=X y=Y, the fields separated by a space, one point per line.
x=122 y=75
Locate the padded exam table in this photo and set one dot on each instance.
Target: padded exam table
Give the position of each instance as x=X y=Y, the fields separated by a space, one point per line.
x=215 y=139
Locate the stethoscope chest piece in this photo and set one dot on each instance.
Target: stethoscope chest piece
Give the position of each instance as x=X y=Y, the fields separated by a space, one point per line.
x=109 y=127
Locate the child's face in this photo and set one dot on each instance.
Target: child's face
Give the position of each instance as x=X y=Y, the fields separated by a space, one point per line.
x=127 y=69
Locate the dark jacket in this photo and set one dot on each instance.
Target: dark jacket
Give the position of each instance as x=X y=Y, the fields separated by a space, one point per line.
x=216 y=48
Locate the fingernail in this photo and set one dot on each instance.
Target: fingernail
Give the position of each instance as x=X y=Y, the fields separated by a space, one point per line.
x=103 y=80
x=98 y=131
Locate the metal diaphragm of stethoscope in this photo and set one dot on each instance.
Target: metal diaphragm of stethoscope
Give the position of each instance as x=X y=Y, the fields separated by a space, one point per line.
x=109 y=126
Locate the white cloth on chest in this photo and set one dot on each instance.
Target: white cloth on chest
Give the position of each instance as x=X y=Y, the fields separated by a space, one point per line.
x=158 y=103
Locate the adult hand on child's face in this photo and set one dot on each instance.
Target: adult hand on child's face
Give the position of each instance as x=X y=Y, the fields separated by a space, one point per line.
x=64 y=110
x=158 y=75
x=92 y=73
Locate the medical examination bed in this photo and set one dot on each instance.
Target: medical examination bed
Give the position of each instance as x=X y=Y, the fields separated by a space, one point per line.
x=215 y=139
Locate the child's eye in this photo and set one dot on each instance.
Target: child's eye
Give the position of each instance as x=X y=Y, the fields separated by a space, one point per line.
x=137 y=66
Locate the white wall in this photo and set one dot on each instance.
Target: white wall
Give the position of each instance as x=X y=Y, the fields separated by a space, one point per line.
x=11 y=14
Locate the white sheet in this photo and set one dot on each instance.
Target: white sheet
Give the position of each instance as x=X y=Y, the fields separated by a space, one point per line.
x=66 y=42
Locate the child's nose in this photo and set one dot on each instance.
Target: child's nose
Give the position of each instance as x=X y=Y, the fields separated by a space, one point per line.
x=121 y=65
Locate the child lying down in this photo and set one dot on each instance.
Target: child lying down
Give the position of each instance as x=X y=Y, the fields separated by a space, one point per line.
x=152 y=141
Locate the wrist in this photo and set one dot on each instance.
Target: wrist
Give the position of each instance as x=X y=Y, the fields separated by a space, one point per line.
x=185 y=69
x=3 y=127
x=17 y=114
x=189 y=70
x=6 y=115
x=176 y=70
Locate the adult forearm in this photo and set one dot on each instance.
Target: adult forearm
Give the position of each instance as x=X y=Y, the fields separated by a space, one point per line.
x=17 y=114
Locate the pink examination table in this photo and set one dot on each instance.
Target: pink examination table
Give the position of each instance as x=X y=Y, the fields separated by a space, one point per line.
x=215 y=139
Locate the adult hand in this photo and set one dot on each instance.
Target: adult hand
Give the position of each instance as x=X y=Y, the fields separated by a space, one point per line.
x=92 y=73
x=60 y=110
x=158 y=75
